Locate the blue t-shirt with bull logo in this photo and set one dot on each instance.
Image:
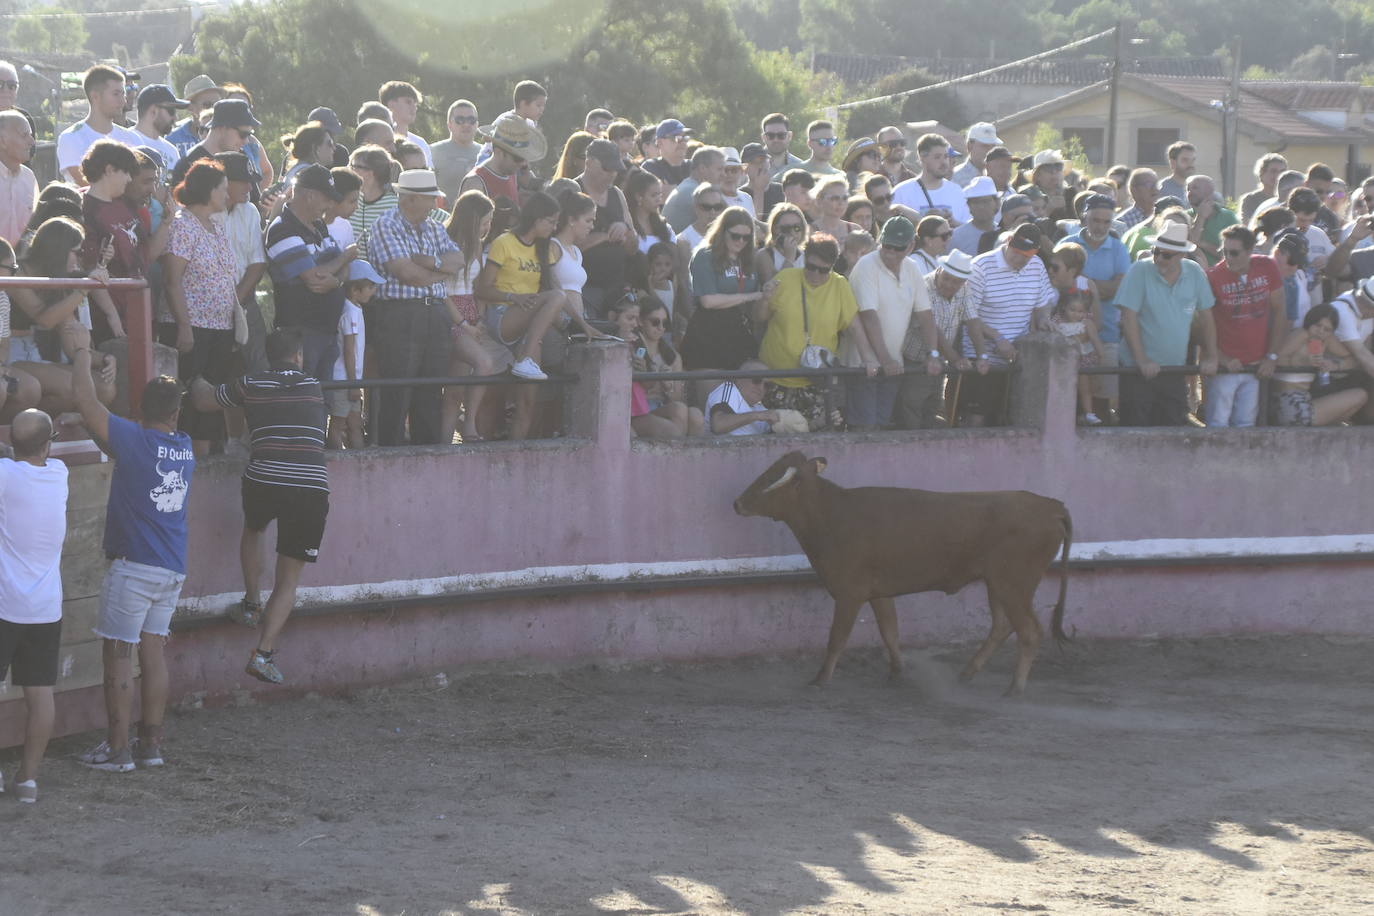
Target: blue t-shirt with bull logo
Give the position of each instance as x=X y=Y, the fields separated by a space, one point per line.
x=146 y=518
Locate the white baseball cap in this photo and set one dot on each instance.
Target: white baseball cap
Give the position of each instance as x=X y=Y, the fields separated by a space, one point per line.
x=731 y=155
x=984 y=132
x=982 y=186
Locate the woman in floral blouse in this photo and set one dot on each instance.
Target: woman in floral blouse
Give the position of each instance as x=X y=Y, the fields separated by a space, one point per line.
x=200 y=277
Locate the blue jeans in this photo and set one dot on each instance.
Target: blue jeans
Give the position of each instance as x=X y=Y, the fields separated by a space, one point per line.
x=1231 y=400
x=869 y=401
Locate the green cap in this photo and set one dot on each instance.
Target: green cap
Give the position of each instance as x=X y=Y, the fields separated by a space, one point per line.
x=897 y=231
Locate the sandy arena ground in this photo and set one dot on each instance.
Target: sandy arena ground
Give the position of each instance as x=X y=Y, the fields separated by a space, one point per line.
x=1220 y=776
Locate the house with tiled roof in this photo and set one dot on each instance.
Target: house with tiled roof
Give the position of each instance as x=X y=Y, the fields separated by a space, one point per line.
x=1307 y=122
x=1008 y=91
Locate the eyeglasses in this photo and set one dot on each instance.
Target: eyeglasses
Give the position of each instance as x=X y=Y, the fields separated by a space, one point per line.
x=652 y=322
x=464 y=119
x=824 y=141
x=712 y=208
x=881 y=200
x=790 y=228
x=11 y=85
x=1165 y=255
x=740 y=236
x=821 y=269
x=775 y=134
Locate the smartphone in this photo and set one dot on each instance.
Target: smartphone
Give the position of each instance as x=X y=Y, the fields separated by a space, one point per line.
x=274 y=189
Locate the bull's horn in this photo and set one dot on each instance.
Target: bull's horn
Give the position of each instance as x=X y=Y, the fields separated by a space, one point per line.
x=786 y=476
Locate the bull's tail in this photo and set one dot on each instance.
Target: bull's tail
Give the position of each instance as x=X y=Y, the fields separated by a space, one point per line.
x=1057 y=622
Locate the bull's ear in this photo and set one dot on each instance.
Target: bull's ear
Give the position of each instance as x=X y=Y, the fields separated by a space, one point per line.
x=819 y=464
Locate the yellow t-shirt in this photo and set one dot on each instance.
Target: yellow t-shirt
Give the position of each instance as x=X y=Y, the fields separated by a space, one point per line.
x=830 y=307
x=519 y=262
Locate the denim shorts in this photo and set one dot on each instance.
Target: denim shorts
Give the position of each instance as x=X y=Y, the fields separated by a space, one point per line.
x=136 y=598
x=25 y=350
x=492 y=316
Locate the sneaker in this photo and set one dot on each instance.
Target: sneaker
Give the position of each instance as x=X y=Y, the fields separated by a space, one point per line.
x=26 y=792
x=108 y=761
x=147 y=753
x=1091 y=419
x=245 y=612
x=262 y=667
x=527 y=368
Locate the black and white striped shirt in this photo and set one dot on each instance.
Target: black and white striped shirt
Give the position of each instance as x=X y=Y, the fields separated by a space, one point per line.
x=285 y=411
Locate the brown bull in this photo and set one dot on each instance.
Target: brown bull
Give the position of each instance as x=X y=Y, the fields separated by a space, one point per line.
x=870 y=544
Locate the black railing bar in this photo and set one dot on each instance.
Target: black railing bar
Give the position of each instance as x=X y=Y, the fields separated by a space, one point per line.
x=507 y=379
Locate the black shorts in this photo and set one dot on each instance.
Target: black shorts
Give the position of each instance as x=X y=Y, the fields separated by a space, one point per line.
x=984 y=396
x=299 y=512
x=31 y=650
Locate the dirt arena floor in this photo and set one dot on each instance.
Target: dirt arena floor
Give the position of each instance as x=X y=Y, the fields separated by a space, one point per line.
x=1217 y=777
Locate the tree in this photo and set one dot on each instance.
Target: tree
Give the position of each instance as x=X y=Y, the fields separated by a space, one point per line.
x=643 y=59
x=939 y=105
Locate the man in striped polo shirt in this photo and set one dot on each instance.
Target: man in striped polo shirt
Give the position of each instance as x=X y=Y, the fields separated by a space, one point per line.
x=1011 y=290
x=285 y=480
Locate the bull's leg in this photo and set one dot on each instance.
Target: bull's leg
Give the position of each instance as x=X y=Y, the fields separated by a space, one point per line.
x=997 y=634
x=1021 y=610
x=846 y=610
x=885 y=612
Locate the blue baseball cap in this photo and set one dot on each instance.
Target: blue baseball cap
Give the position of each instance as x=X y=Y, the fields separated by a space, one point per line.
x=670 y=127
x=362 y=270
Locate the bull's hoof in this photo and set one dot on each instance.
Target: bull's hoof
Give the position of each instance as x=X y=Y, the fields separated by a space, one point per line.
x=1014 y=692
x=896 y=678
x=819 y=680
x=967 y=674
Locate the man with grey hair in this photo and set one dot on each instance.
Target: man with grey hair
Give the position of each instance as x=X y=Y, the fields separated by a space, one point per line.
x=18 y=186
x=9 y=85
x=1208 y=217
x=1268 y=168
x=33 y=526
x=980 y=139
x=455 y=156
x=708 y=167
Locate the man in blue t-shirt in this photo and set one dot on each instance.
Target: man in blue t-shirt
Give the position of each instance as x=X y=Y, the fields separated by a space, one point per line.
x=145 y=537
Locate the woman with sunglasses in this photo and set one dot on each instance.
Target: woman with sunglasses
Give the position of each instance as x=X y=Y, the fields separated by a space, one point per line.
x=787 y=230
x=832 y=199
x=809 y=306
x=726 y=287
x=666 y=400
x=932 y=240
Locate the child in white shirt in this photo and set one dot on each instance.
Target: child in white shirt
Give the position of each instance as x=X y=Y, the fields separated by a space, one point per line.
x=346 y=404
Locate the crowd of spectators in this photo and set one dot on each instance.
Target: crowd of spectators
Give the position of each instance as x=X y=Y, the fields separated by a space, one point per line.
x=483 y=253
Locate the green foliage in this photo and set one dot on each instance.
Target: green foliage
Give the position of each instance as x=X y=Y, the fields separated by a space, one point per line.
x=626 y=55
x=1048 y=137
x=50 y=31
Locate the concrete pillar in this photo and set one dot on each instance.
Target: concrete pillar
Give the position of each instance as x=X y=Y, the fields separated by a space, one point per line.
x=1044 y=384
x=597 y=405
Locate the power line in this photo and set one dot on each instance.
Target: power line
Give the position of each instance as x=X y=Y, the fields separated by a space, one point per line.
x=102 y=15
x=980 y=74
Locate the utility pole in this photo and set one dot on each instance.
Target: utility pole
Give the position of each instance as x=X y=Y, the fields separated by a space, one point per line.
x=1120 y=42
x=1230 y=122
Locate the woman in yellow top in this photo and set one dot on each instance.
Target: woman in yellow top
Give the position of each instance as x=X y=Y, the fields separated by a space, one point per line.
x=813 y=301
x=519 y=309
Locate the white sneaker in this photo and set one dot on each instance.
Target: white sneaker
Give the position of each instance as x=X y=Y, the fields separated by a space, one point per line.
x=1092 y=419
x=527 y=368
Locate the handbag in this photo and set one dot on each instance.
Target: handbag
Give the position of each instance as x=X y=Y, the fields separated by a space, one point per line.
x=812 y=357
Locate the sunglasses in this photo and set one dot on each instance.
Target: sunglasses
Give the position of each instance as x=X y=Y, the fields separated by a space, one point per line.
x=775 y=134
x=790 y=228
x=824 y=141
x=712 y=208
x=895 y=249
x=881 y=200
x=821 y=269
x=464 y=119
x=1165 y=255
x=740 y=236
x=11 y=85
x=652 y=322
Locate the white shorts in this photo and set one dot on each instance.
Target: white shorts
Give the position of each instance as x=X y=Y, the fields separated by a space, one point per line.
x=136 y=598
